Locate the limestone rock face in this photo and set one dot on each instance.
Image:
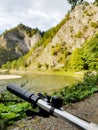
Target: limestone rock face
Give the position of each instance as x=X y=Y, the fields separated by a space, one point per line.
x=81 y=26
x=16 y=43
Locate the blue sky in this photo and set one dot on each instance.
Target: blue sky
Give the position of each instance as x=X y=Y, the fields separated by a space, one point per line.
x=42 y=14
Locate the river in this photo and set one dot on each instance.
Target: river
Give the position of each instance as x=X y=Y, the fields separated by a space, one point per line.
x=40 y=82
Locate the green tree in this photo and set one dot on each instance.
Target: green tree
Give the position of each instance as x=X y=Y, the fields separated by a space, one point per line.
x=96 y=1
x=91 y=53
x=74 y=3
x=76 y=61
x=7 y=65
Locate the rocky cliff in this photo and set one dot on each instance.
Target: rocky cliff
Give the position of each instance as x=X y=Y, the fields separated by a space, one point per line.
x=57 y=44
x=81 y=25
x=17 y=42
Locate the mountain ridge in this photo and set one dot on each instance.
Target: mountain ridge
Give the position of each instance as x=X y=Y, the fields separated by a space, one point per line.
x=55 y=48
x=17 y=41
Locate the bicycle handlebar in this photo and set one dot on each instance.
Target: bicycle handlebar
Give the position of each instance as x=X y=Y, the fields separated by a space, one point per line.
x=35 y=99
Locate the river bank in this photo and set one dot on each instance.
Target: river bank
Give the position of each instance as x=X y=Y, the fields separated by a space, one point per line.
x=2 y=77
x=48 y=72
x=5 y=74
x=20 y=72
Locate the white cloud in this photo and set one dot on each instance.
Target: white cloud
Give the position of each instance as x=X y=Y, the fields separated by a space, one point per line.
x=42 y=14
x=37 y=13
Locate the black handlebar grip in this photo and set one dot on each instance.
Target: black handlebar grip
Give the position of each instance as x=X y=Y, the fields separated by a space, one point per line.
x=18 y=91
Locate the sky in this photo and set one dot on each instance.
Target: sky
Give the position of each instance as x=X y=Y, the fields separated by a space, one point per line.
x=42 y=14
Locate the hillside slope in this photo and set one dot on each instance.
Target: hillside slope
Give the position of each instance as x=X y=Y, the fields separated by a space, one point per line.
x=80 y=25
x=17 y=42
x=55 y=48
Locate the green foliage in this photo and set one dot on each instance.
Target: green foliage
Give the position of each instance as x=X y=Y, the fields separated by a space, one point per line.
x=39 y=65
x=11 y=109
x=59 y=48
x=16 y=64
x=44 y=41
x=90 y=53
x=60 y=51
x=76 y=60
x=85 y=58
x=48 y=35
x=61 y=58
x=96 y=1
x=29 y=31
x=12 y=50
x=80 y=90
x=86 y=3
x=94 y=24
x=56 y=49
x=74 y=3
x=86 y=12
x=46 y=65
x=7 y=65
x=79 y=34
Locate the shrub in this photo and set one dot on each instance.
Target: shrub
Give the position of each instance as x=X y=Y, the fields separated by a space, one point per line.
x=39 y=65
x=56 y=49
x=46 y=65
x=94 y=24
x=80 y=90
x=79 y=34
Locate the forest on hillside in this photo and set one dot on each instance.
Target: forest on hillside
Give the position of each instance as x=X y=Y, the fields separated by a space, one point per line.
x=84 y=58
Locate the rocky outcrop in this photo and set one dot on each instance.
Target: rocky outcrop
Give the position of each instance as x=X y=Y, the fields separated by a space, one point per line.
x=81 y=26
x=16 y=43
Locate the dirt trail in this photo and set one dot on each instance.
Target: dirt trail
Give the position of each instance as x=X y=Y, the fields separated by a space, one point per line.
x=86 y=109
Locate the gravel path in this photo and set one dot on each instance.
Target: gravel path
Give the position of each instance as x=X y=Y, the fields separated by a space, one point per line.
x=86 y=109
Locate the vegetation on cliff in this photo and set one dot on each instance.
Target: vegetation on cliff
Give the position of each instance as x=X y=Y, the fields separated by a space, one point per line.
x=84 y=58
x=46 y=38
x=67 y=46
x=17 y=42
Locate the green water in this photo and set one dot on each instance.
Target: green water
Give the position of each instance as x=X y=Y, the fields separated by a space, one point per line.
x=40 y=83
